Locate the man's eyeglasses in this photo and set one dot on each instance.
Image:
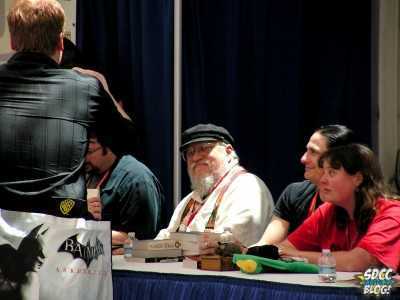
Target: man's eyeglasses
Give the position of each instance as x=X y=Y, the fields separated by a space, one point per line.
x=202 y=149
x=91 y=151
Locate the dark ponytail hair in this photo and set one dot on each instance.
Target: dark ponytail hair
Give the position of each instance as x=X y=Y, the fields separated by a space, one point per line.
x=336 y=135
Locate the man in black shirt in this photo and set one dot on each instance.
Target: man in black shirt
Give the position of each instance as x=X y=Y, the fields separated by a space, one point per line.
x=300 y=199
x=46 y=115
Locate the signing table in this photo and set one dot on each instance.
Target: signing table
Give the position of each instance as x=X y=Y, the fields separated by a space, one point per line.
x=133 y=280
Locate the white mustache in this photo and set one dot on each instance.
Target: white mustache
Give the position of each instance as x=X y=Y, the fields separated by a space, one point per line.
x=202 y=162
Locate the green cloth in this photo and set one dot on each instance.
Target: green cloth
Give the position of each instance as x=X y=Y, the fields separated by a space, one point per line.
x=254 y=264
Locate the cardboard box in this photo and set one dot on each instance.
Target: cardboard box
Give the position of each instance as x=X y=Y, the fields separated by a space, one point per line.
x=217 y=263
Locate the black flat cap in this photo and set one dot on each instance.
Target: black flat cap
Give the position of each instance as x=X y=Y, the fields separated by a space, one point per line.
x=203 y=133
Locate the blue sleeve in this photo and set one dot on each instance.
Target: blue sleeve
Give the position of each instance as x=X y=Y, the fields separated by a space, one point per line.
x=140 y=207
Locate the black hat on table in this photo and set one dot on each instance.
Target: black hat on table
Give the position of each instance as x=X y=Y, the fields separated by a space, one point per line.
x=204 y=133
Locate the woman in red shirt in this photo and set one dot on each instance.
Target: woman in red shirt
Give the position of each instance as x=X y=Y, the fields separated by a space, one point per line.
x=358 y=221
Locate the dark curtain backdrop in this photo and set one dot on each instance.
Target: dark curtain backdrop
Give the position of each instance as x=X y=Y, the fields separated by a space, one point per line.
x=130 y=42
x=273 y=71
x=270 y=71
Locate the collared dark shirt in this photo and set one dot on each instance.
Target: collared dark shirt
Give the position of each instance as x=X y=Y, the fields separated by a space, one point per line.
x=132 y=198
x=294 y=202
x=46 y=114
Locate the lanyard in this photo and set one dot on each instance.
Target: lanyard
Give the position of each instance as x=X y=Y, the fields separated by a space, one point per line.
x=190 y=205
x=313 y=204
x=193 y=211
x=211 y=221
x=102 y=180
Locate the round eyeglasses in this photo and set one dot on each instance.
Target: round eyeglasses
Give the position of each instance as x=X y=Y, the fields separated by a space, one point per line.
x=201 y=149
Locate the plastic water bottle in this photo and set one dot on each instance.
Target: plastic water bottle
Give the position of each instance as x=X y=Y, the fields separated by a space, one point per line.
x=327 y=266
x=128 y=245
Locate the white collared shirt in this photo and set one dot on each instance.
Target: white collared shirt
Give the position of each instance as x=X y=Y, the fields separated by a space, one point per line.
x=246 y=208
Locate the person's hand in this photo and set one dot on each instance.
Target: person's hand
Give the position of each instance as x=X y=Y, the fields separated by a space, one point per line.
x=94 y=74
x=194 y=257
x=118 y=251
x=118 y=239
x=94 y=203
x=287 y=252
x=208 y=245
x=95 y=207
x=211 y=246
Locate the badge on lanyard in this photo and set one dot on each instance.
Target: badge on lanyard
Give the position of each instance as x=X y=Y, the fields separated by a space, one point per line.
x=182 y=228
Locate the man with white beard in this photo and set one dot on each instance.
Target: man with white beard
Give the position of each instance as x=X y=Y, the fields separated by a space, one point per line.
x=224 y=195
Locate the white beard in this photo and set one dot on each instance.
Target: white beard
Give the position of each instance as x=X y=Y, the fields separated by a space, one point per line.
x=202 y=186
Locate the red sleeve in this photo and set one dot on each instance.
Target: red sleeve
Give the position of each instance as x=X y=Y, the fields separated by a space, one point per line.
x=382 y=239
x=306 y=236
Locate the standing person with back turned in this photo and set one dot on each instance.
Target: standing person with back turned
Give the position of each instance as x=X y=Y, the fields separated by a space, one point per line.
x=46 y=116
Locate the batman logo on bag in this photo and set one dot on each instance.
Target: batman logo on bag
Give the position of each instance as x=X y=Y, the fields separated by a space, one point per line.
x=78 y=250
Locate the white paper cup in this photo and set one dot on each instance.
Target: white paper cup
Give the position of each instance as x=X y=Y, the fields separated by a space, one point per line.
x=93 y=193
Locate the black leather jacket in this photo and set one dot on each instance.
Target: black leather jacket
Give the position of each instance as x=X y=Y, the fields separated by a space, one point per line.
x=46 y=114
